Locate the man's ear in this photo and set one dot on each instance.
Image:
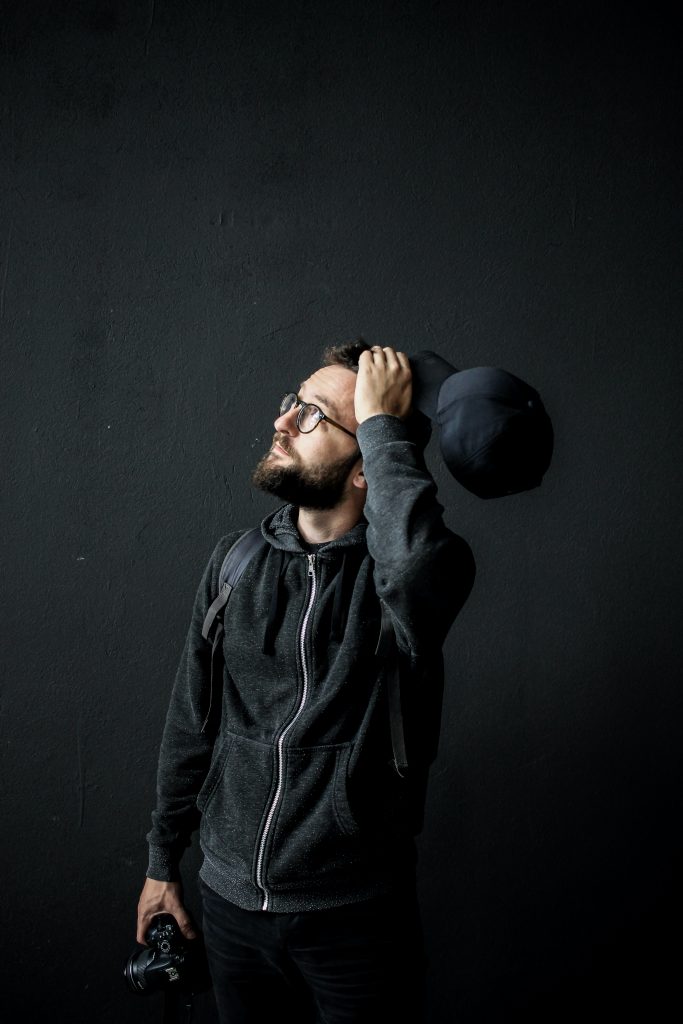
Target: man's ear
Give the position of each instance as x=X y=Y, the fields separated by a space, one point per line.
x=359 y=480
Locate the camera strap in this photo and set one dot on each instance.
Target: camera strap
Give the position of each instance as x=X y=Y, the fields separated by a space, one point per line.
x=177 y=1007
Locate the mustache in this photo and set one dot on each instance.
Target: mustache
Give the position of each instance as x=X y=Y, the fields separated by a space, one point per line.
x=280 y=440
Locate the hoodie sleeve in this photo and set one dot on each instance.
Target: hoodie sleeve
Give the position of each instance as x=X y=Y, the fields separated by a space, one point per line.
x=423 y=571
x=185 y=752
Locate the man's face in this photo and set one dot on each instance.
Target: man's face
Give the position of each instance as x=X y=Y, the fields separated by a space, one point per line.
x=314 y=470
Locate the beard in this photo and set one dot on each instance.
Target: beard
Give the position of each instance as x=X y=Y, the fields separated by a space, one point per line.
x=319 y=486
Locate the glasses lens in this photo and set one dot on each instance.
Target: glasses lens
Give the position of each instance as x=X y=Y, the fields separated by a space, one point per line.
x=310 y=417
x=287 y=402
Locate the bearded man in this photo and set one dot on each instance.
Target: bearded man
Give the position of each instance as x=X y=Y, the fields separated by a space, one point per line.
x=307 y=828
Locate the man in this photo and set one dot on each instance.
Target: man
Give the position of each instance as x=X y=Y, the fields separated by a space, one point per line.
x=306 y=826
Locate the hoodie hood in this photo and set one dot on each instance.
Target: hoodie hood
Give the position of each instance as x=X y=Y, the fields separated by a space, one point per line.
x=280 y=530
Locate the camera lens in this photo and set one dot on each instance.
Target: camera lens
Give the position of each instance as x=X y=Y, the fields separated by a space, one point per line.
x=134 y=971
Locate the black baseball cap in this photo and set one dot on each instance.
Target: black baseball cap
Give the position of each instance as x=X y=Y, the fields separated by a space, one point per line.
x=495 y=435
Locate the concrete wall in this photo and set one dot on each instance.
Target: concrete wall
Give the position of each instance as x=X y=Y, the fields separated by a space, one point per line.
x=195 y=198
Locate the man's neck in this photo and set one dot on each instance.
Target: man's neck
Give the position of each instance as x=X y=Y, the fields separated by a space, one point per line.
x=318 y=527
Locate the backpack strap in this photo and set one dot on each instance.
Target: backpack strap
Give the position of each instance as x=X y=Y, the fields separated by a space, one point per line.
x=235 y=562
x=388 y=650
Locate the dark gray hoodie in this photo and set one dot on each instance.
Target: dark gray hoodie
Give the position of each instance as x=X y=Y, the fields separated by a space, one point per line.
x=297 y=799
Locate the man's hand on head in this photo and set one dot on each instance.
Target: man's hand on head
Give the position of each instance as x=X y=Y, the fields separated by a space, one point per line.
x=384 y=384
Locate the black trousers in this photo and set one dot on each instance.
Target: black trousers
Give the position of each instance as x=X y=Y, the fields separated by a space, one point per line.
x=355 y=964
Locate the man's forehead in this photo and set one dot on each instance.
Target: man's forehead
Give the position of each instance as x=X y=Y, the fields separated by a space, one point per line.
x=332 y=386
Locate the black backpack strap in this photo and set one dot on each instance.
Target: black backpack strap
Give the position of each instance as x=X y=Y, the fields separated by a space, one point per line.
x=388 y=650
x=234 y=564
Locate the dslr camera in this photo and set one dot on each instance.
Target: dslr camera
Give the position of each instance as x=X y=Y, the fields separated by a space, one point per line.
x=170 y=961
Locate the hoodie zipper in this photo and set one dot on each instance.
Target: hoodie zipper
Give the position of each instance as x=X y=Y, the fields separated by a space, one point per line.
x=280 y=744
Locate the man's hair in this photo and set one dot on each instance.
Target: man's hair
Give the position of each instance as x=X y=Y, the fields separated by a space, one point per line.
x=347 y=354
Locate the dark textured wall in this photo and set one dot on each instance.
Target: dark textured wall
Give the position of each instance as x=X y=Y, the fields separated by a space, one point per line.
x=194 y=199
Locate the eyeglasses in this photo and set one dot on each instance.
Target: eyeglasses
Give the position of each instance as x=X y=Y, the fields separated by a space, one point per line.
x=309 y=416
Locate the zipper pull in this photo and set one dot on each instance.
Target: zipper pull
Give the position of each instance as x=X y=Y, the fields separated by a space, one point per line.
x=311 y=565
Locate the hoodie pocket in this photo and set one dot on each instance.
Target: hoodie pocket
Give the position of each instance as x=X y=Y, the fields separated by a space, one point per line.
x=315 y=833
x=220 y=755
x=232 y=799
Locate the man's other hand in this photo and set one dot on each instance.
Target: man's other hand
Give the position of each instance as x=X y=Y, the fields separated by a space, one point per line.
x=384 y=383
x=162 y=898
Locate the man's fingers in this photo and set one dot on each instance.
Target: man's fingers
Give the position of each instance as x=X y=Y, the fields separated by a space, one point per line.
x=144 y=921
x=143 y=925
x=186 y=926
x=184 y=923
x=391 y=358
x=388 y=356
x=404 y=361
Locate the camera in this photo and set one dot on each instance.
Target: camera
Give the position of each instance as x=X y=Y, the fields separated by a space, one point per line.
x=169 y=961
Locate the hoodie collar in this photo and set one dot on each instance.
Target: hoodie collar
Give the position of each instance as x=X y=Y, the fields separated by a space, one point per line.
x=279 y=529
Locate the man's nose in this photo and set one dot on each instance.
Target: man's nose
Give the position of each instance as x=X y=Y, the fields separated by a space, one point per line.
x=286 y=421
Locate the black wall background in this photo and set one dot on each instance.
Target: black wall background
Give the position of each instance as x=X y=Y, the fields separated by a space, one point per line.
x=195 y=198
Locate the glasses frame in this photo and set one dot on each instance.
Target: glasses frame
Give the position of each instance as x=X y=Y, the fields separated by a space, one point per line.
x=310 y=405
